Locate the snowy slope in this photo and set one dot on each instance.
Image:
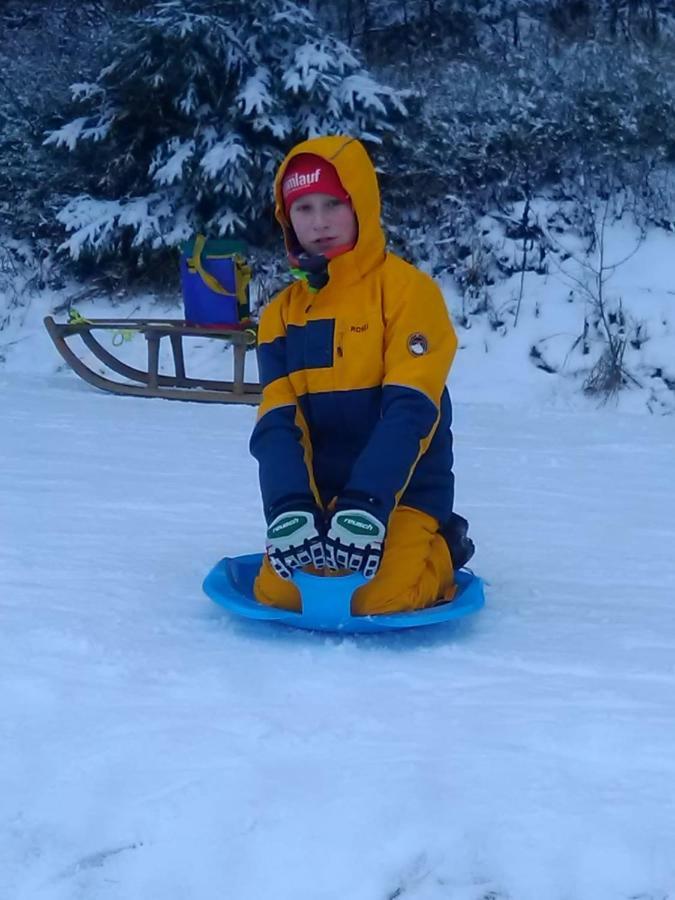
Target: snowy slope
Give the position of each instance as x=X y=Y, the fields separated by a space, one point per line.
x=151 y=747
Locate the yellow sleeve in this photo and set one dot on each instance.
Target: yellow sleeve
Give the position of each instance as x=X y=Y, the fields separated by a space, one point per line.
x=419 y=347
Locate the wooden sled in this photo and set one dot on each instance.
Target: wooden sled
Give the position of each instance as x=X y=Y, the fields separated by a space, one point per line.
x=151 y=383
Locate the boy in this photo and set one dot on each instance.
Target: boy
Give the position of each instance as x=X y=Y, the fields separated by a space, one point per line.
x=353 y=434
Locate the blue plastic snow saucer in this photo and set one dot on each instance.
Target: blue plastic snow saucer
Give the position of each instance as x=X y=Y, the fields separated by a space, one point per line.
x=326 y=602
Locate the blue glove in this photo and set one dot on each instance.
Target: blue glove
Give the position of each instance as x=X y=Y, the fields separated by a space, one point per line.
x=355 y=541
x=294 y=540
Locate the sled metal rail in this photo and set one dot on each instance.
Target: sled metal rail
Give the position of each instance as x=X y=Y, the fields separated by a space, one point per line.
x=151 y=383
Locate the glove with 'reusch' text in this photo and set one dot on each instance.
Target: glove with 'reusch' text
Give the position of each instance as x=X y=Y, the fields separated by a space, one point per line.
x=294 y=540
x=355 y=541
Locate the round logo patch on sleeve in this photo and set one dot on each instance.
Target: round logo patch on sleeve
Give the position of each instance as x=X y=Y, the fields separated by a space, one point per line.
x=418 y=345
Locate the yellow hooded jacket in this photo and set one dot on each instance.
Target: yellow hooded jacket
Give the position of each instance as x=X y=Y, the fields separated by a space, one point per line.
x=354 y=404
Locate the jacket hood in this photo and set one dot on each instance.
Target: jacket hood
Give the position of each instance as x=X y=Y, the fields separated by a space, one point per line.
x=359 y=179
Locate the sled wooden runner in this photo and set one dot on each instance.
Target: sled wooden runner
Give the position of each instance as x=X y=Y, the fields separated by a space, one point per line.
x=151 y=383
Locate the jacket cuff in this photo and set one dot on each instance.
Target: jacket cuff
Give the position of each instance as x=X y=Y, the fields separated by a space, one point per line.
x=366 y=502
x=300 y=502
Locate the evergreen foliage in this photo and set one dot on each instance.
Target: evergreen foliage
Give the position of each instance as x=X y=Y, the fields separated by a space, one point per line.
x=519 y=112
x=42 y=47
x=183 y=130
x=383 y=27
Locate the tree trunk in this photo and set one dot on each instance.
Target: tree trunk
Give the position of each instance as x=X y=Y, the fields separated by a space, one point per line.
x=515 y=28
x=613 y=18
x=653 y=21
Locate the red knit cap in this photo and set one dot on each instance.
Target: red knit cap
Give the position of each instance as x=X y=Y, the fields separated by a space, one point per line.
x=308 y=173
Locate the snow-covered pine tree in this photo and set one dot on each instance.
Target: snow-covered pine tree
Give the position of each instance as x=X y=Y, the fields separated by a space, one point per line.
x=184 y=128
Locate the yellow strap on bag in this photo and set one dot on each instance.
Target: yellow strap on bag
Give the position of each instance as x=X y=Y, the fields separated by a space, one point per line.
x=242 y=279
x=195 y=262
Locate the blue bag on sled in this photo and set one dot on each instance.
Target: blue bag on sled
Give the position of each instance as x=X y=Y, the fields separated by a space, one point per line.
x=215 y=278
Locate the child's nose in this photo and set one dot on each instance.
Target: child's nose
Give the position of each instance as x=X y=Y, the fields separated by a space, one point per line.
x=320 y=219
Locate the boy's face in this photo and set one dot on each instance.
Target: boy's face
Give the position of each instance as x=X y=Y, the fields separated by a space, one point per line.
x=322 y=222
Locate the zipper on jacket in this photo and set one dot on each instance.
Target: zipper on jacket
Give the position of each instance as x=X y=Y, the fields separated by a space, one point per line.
x=338 y=397
x=339 y=344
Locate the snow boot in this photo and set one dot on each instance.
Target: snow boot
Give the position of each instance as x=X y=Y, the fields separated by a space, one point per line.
x=455 y=532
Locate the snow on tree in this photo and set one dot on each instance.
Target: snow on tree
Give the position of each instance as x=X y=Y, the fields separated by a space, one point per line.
x=186 y=125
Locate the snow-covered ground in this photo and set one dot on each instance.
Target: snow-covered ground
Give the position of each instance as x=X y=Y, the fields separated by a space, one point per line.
x=152 y=747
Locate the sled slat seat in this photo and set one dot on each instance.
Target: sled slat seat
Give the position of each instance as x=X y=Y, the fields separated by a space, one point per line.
x=150 y=383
